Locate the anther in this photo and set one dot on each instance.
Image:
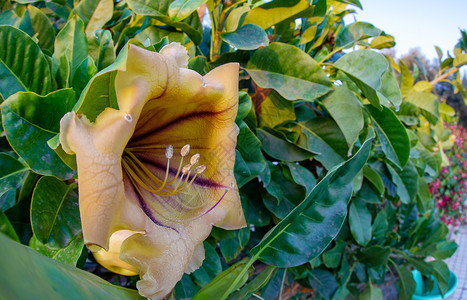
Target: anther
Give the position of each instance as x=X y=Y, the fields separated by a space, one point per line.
x=185 y=150
x=200 y=169
x=194 y=159
x=186 y=169
x=169 y=151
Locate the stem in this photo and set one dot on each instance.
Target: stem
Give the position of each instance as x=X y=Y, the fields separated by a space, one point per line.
x=444 y=76
x=282 y=284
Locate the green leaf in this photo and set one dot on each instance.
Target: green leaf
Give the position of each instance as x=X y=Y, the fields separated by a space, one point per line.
x=406 y=182
x=6 y=227
x=371 y=293
x=406 y=283
x=254 y=285
x=185 y=288
x=346 y=110
x=375 y=179
x=181 y=9
x=210 y=268
x=281 y=149
x=54 y=212
x=312 y=225
x=323 y=282
x=38 y=276
x=275 y=110
x=332 y=258
x=445 y=249
x=441 y=274
x=326 y=140
x=244 y=104
x=355 y=32
x=271 y=13
x=233 y=246
x=235 y=17
x=383 y=41
x=290 y=71
x=68 y=255
x=94 y=13
x=247 y=37
x=29 y=121
x=374 y=256
x=12 y=175
x=360 y=222
x=392 y=135
x=380 y=226
x=222 y=282
x=71 y=49
x=23 y=66
x=427 y=103
x=159 y=11
x=365 y=68
x=250 y=161
x=34 y=21
x=100 y=91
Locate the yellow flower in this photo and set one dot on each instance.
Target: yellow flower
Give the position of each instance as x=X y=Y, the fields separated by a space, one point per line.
x=155 y=175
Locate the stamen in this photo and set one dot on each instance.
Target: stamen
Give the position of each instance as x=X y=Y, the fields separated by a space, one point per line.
x=200 y=169
x=194 y=159
x=169 y=152
x=185 y=150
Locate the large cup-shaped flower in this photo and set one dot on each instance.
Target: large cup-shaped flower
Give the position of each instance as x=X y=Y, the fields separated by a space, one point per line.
x=155 y=175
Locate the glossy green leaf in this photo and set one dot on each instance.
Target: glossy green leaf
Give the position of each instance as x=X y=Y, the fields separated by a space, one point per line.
x=71 y=49
x=83 y=73
x=54 y=212
x=30 y=121
x=181 y=9
x=231 y=247
x=311 y=226
x=392 y=135
x=35 y=22
x=23 y=66
x=244 y=105
x=360 y=222
x=271 y=13
x=326 y=140
x=346 y=110
x=159 y=11
x=38 y=277
x=288 y=70
x=222 y=282
x=247 y=37
x=185 y=288
x=250 y=161
x=281 y=149
x=371 y=293
x=12 y=174
x=68 y=255
x=100 y=92
x=94 y=13
x=389 y=91
x=365 y=68
x=355 y=32
x=256 y=213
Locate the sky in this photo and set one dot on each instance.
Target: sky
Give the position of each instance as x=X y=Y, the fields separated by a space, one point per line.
x=416 y=23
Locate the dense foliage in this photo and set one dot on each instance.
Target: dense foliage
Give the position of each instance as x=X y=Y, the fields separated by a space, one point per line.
x=336 y=144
